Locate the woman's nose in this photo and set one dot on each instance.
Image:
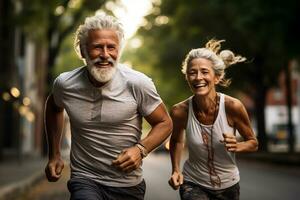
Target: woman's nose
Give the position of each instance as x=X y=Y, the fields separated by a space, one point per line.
x=199 y=75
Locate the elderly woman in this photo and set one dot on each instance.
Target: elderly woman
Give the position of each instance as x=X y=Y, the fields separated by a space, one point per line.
x=209 y=120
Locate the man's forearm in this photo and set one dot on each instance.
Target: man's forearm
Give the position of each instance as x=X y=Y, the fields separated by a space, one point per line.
x=54 y=119
x=157 y=135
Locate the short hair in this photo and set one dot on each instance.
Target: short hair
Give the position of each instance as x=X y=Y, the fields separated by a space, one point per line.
x=98 y=21
x=220 y=60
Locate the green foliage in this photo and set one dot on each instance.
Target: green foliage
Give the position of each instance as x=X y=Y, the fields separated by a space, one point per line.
x=264 y=31
x=49 y=23
x=67 y=59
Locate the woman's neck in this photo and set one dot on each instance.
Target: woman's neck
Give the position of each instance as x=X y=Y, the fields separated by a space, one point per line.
x=206 y=104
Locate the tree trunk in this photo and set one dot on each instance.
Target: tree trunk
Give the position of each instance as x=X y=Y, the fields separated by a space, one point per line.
x=7 y=33
x=260 y=117
x=260 y=103
x=53 y=50
x=288 y=93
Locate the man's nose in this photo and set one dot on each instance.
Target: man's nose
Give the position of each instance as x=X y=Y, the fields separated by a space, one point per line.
x=104 y=53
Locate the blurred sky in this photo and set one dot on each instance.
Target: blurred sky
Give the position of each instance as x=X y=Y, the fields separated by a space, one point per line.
x=130 y=13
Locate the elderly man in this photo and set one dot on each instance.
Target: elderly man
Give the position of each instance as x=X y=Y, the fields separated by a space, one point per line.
x=106 y=102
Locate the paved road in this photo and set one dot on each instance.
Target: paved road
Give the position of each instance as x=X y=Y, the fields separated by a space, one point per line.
x=49 y=191
x=258 y=181
x=267 y=181
x=157 y=171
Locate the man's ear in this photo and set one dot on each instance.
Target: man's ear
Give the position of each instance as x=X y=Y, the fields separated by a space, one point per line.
x=82 y=52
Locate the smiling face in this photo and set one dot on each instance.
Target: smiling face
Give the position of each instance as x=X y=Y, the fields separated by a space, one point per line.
x=201 y=76
x=101 y=54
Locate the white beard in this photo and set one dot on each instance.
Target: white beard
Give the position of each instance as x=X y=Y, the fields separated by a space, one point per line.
x=101 y=75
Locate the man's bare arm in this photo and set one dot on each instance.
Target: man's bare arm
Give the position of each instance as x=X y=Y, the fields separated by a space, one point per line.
x=160 y=121
x=161 y=124
x=54 y=118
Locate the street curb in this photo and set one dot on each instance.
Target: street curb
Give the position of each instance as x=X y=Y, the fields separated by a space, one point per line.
x=275 y=158
x=14 y=190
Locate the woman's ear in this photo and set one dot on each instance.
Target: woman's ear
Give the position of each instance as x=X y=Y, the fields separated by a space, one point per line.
x=217 y=80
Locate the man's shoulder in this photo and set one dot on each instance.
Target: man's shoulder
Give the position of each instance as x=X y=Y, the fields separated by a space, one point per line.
x=71 y=76
x=133 y=76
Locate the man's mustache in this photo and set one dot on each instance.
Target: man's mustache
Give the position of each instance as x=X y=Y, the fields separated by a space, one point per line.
x=109 y=60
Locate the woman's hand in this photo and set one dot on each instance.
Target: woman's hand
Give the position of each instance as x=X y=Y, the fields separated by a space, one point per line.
x=176 y=180
x=230 y=142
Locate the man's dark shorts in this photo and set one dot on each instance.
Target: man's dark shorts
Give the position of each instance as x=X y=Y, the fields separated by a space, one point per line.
x=85 y=189
x=191 y=191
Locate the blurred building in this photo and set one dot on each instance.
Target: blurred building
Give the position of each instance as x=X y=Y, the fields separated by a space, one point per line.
x=276 y=108
x=22 y=87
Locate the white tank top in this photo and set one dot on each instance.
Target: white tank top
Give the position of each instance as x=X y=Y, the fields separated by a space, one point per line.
x=197 y=167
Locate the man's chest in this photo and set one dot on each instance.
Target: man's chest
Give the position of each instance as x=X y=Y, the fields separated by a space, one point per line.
x=112 y=108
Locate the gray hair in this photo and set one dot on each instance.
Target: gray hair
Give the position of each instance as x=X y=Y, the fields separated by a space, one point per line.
x=98 y=21
x=220 y=60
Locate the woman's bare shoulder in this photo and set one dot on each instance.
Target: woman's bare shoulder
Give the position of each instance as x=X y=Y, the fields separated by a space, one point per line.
x=180 y=110
x=233 y=105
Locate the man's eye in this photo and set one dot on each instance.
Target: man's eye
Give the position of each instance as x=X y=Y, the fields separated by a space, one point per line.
x=97 y=47
x=111 y=47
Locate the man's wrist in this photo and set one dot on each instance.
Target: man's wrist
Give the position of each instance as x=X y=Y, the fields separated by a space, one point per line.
x=143 y=150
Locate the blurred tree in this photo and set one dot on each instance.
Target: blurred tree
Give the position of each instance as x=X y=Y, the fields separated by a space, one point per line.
x=53 y=21
x=6 y=69
x=264 y=31
x=67 y=59
x=48 y=24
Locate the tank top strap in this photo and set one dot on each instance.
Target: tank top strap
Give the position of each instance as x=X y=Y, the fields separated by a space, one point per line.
x=190 y=105
x=222 y=102
x=222 y=112
x=190 y=111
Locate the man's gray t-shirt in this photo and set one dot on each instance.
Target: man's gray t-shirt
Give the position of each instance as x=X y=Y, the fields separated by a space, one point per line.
x=104 y=121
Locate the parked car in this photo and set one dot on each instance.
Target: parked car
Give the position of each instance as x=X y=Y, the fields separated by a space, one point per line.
x=279 y=134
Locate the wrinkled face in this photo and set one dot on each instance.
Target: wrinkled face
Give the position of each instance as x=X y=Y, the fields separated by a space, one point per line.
x=101 y=54
x=201 y=76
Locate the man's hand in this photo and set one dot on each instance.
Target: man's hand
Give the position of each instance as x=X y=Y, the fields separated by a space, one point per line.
x=176 y=180
x=128 y=160
x=54 y=169
x=230 y=142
